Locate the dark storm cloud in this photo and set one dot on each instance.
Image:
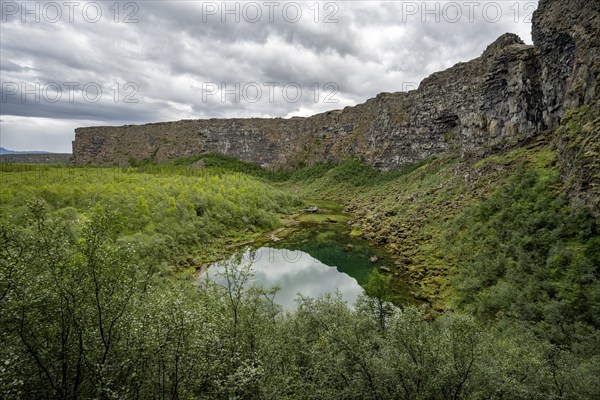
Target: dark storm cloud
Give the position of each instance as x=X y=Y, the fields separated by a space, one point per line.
x=174 y=51
x=80 y=108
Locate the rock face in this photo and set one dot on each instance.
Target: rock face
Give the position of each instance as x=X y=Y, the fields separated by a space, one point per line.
x=566 y=35
x=510 y=92
x=46 y=158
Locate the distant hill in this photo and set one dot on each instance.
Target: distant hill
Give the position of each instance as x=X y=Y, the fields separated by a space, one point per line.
x=6 y=151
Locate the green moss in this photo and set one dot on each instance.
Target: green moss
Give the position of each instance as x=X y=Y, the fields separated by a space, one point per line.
x=449 y=136
x=409 y=210
x=323 y=218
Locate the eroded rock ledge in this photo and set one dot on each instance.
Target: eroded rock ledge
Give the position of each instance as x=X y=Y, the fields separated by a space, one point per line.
x=510 y=92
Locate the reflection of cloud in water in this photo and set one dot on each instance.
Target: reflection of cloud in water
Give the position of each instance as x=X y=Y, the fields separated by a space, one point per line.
x=295 y=272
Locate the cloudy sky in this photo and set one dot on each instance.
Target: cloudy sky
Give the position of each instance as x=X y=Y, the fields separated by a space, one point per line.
x=69 y=64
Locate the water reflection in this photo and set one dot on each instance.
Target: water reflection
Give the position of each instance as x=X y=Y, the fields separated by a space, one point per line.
x=295 y=272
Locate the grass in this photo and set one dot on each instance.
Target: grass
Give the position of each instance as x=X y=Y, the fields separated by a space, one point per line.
x=408 y=211
x=174 y=212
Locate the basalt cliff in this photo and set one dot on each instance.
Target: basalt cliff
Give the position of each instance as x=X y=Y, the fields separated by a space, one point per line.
x=513 y=91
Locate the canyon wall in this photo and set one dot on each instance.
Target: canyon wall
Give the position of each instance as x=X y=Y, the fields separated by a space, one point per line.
x=511 y=92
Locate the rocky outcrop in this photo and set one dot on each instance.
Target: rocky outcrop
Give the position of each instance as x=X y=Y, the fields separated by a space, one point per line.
x=567 y=39
x=45 y=158
x=512 y=91
x=577 y=141
x=566 y=35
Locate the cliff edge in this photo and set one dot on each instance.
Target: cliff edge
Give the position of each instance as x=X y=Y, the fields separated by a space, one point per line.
x=511 y=92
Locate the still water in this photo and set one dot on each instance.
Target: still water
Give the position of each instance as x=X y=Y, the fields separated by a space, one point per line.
x=293 y=272
x=315 y=259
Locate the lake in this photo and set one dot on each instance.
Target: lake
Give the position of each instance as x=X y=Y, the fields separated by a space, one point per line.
x=314 y=259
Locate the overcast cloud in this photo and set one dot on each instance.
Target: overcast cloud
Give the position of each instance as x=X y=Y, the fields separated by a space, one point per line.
x=97 y=63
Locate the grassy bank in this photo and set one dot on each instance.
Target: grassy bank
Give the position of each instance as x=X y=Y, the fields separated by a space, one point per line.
x=501 y=245
x=178 y=215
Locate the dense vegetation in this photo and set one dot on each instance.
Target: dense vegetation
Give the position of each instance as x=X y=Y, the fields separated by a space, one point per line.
x=526 y=254
x=85 y=317
x=97 y=302
x=173 y=212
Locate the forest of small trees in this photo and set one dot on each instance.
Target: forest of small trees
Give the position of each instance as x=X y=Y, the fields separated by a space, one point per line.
x=91 y=309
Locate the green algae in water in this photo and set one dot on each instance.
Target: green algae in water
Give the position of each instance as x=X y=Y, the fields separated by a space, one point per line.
x=317 y=258
x=334 y=247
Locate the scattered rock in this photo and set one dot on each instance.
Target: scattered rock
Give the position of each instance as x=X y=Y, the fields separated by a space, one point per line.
x=374 y=258
x=381 y=240
x=385 y=270
x=312 y=209
x=198 y=164
x=330 y=220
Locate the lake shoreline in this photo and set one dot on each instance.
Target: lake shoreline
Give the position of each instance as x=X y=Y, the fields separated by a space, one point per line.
x=316 y=230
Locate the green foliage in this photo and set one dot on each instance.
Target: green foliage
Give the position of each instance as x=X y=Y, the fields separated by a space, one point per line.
x=67 y=303
x=578 y=143
x=222 y=164
x=346 y=173
x=166 y=212
x=356 y=173
x=526 y=254
x=84 y=313
x=377 y=302
x=352 y=172
x=85 y=316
